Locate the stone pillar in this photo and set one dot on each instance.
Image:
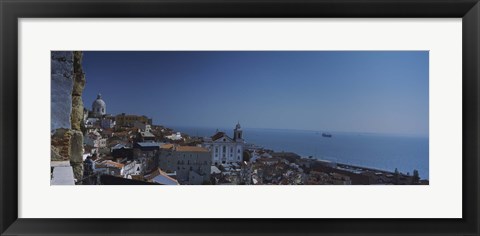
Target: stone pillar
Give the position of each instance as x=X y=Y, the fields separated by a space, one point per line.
x=61 y=89
x=76 y=154
x=78 y=85
x=76 y=158
x=68 y=81
x=67 y=145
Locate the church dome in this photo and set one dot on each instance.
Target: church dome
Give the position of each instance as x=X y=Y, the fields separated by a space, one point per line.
x=99 y=107
x=238 y=126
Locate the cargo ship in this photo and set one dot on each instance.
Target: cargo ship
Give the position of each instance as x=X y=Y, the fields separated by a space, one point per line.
x=327 y=135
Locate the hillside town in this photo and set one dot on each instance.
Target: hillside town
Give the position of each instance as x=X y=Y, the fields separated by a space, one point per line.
x=129 y=149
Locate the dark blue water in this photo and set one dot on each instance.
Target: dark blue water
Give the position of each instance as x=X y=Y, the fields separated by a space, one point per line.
x=385 y=152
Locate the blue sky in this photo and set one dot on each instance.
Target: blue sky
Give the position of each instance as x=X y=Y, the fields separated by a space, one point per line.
x=350 y=91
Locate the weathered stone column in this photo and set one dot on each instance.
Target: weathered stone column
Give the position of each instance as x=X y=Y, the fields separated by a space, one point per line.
x=78 y=86
x=61 y=90
x=67 y=83
x=76 y=158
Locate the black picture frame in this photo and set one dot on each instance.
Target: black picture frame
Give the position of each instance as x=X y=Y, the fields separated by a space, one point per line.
x=12 y=10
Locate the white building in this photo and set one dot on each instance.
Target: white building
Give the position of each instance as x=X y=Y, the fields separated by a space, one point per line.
x=91 y=122
x=98 y=116
x=125 y=169
x=99 y=107
x=95 y=140
x=176 y=136
x=109 y=167
x=130 y=168
x=225 y=149
x=142 y=126
x=107 y=122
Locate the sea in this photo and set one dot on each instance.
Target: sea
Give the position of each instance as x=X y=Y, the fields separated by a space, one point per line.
x=378 y=151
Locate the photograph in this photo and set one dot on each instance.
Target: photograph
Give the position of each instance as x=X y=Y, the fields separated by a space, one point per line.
x=239 y=118
x=277 y=117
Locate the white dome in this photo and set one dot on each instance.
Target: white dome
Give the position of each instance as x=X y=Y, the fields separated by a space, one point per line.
x=98 y=103
x=99 y=107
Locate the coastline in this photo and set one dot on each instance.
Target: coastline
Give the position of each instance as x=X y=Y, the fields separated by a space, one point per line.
x=331 y=150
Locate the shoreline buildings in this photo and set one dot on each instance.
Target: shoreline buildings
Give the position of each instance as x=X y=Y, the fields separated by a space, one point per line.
x=191 y=164
x=225 y=149
x=128 y=149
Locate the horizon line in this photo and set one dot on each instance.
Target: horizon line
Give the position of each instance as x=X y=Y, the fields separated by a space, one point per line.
x=222 y=129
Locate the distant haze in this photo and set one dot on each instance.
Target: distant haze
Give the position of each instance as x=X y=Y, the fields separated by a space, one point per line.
x=349 y=91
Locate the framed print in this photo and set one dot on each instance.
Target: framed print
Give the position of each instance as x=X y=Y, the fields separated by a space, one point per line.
x=179 y=117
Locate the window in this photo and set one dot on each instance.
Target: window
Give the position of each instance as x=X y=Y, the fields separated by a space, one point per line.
x=238 y=151
x=224 y=149
x=231 y=149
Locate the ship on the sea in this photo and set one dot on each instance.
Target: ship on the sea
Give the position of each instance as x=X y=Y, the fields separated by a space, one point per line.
x=327 y=135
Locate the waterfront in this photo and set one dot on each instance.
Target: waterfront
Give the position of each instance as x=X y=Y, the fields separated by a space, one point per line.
x=304 y=96
x=380 y=151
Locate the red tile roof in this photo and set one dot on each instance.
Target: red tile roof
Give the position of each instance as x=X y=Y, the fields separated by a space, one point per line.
x=184 y=148
x=109 y=163
x=158 y=172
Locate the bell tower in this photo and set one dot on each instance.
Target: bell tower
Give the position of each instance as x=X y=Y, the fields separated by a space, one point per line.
x=237 y=132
